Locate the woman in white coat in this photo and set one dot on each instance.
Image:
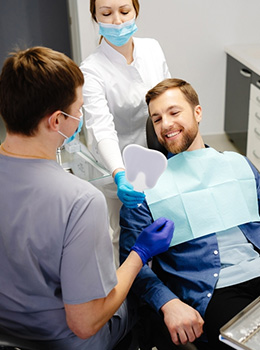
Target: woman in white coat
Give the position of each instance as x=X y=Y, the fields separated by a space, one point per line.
x=117 y=76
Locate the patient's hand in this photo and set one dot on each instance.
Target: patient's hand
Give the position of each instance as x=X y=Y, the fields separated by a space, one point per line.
x=183 y=322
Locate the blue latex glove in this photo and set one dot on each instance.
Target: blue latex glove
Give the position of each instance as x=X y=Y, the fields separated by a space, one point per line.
x=126 y=192
x=154 y=239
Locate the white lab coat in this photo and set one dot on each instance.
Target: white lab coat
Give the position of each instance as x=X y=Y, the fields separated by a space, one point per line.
x=114 y=94
x=115 y=109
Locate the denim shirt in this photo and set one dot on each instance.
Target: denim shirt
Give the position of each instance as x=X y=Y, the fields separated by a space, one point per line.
x=188 y=271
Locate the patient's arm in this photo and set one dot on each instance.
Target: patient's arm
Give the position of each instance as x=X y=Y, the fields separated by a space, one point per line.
x=183 y=322
x=147 y=286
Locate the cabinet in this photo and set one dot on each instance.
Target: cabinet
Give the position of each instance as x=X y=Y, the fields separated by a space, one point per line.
x=238 y=80
x=253 y=141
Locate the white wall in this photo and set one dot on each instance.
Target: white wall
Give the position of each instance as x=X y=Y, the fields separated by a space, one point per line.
x=193 y=34
x=88 y=29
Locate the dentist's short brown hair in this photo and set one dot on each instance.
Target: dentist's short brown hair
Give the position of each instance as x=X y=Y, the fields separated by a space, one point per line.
x=34 y=83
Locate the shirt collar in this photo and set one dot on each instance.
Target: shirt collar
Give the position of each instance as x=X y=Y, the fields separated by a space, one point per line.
x=170 y=155
x=113 y=55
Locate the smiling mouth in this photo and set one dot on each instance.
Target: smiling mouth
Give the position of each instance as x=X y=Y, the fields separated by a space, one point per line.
x=172 y=134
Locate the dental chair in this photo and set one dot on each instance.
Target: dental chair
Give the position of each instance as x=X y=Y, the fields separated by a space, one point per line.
x=9 y=342
x=152 y=141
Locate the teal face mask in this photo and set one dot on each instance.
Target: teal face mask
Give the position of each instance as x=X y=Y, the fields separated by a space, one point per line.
x=72 y=137
x=118 y=34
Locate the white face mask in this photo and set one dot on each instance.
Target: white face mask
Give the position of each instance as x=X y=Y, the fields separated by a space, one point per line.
x=118 y=34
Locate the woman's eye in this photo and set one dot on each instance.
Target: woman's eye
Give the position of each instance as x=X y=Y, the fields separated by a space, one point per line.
x=106 y=14
x=125 y=12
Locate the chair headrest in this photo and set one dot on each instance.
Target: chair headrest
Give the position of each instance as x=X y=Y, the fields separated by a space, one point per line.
x=152 y=141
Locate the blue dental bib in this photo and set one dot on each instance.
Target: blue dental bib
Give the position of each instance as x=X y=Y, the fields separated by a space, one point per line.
x=204 y=191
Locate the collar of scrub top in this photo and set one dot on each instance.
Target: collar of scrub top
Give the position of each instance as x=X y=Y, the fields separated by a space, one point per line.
x=113 y=54
x=170 y=155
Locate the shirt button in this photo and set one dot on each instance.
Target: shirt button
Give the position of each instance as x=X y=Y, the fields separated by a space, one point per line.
x=215 y=252
x=209 y=295
x=215 y=274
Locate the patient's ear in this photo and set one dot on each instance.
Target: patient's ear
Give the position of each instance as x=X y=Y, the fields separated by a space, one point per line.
x=198 y=113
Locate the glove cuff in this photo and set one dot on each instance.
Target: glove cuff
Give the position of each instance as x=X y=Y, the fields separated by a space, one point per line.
x=142 y=252
x=118 y=176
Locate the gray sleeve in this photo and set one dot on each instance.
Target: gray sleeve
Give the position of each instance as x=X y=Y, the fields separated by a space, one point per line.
x=87 y=267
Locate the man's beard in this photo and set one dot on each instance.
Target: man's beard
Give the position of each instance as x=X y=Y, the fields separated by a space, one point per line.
x=178 y=147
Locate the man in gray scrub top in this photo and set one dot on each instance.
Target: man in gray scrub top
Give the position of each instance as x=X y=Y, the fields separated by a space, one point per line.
x=58 y=284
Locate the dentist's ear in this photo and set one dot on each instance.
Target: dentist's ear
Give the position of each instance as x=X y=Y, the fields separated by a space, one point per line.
x=54 y=121
x=198 y=113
